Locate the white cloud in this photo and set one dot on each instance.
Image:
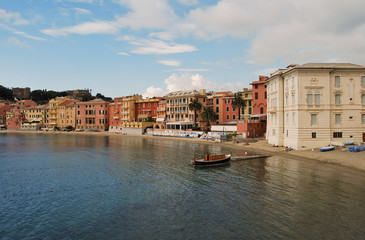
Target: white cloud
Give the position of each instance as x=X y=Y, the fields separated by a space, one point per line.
x=188 y=81
x=174 y=63
x=154 y=92
x=81 y=11
x=152 y=46
x=12 y=17
x=17 y=42
x=166 y=36
x=123 y=53
x=97 y=27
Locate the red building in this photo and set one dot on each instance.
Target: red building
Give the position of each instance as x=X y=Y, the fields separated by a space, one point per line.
x=146 y=110
x=259 y=97
x=92 y=115
x=255 y=125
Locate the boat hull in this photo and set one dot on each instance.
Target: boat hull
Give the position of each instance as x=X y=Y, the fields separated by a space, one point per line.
x=325 y=149
x=202 y=162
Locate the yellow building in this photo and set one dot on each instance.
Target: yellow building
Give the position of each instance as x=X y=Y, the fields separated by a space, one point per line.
x=128 y=108
x=66 y=114
x=37 y=114
x=52 y=111
x=247 y=96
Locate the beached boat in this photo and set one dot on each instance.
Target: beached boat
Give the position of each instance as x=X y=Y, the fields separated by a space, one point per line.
x=325 y=149
x=357 y=148
x=348 y=143
x=212 y=159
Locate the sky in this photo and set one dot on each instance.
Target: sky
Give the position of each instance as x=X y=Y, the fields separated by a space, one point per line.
x=153 y=47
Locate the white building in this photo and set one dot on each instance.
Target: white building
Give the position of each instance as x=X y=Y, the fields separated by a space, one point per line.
x=316 y=104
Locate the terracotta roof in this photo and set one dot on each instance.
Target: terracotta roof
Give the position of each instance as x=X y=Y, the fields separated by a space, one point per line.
x=67 y=102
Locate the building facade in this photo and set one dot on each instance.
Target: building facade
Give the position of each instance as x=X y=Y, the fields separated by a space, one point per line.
x=146 y=110
x=92 y=115
x=66 y=114
x=128 y=108
x=52 y=115
x=115 y=115
x=316 y=104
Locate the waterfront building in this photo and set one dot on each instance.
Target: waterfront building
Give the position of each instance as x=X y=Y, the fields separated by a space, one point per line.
x=161 y=115
x=128 y=108
x=146 y=109
x=92 y=115
x=221 y=102
x=53 y=111
x=115 y=115
x=3 y=110
x=259 y=97
x=178 y=114
x=316 y=104
x=66 y=114
x=37 y=114
x=247 y=96
x=15 y=117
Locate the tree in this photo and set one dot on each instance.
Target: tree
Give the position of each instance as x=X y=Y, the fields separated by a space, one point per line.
x=195 y=106
x=6 y=93
x=208 y=115
x=238 y=102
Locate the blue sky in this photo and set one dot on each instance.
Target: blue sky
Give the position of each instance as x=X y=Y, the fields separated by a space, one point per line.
x=152 y=47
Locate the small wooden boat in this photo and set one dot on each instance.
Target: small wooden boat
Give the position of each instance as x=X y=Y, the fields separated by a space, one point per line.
x=212 y=159
x=325 y=149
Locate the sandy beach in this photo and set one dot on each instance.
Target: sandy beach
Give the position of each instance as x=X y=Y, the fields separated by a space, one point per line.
x=355 y=160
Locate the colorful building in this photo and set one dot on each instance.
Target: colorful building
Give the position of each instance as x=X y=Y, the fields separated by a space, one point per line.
x=247 y=96
x=128 y=108
x=66 y=114
x=178 y=115
x=15 y=117
x=37 y=114
x=259 y=97
x=161 y=115
x=3 y=110
x=146 y=109
x=92 y=115
x=115 y=115
x=53 y=111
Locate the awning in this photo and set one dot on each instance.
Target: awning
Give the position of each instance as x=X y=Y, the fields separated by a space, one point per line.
x=160 y=119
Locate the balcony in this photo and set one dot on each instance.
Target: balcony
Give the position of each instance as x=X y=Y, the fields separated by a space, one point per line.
x=161 y=109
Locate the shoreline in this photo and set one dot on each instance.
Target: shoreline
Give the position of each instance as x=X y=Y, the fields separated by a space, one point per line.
x=354 y=160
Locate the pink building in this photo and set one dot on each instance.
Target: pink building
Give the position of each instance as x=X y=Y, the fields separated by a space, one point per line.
x=15 y=117
x=92 y=115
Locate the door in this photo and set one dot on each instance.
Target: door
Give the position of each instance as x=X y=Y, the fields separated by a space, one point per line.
x=363 y=137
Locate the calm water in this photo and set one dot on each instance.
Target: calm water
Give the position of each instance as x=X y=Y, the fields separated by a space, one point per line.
x=108 y=187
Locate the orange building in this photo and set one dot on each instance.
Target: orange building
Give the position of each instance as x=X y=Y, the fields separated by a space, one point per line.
x=115 y=115
x=259 y=97
x=66 y=114
x=92 y=115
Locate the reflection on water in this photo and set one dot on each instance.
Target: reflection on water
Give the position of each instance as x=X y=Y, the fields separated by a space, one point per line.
x=112 y=187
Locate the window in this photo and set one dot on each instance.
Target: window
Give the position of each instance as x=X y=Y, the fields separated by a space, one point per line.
x=286 y=100
x=313 y=119
x=363 y=99
x=227 y=109
x=337 y=118
x=261 y=110
x=314 y=135
x=233 y=109
x=256 y=94
x=246 y=95
x=363 y=81
x=234 y=117
x=363 y=118
x=249 y=103
x=337 y=134
x=250 y=111
x=227 y=116
x=217 y=109
x=256 y=86
x=317 y=99
x=338 y=99
x=265 y=94
x=217 y=101
x=227 y=101
x=309 y=99
x=337 y=81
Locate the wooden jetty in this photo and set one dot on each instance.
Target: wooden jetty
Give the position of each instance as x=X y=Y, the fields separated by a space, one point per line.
x=241 y=158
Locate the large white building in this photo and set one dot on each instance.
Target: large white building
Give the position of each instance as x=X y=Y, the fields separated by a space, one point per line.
x=316 y=104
